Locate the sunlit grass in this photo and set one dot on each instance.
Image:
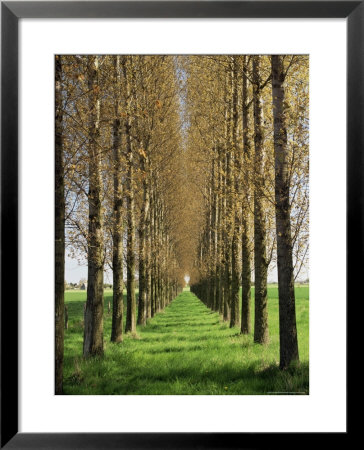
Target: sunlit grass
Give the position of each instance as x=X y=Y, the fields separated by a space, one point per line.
x=186 y=349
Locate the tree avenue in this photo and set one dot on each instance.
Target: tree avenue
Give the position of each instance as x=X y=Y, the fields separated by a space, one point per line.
x=168 y=166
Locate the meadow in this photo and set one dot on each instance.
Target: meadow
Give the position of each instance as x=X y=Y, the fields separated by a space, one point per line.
x=185 y=350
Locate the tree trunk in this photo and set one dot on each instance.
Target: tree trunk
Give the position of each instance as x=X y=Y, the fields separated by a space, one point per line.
x=235 y=259
x=117 y=255
x=59 y=231
x=228 y=205
x=93 y=332
x=148 y=284
x=217 y=232
x=142 y=248
x=222 y=213
x=208 y=243
x=130 y=258
x=159 y=266
x=245 y=244
x=287 y=309
x=227 y=245
x=153 y=257
x=148 y=306
x=158 y=254
x=261 y=334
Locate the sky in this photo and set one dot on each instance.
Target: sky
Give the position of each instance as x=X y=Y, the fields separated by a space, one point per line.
x=75 y=272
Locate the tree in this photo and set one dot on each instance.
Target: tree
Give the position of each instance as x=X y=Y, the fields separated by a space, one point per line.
x=175 y=165
x=228 y=200
x=245 y=213
x=235 y=261
x=287 y=310
x=93 y=331
x=260 y=251
x=117 y=236
x=130 y=261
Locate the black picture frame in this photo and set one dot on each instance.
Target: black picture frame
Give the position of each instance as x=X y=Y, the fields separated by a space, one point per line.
x=11 y=12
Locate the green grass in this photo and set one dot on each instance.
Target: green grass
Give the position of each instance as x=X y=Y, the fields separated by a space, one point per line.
x=186 y=349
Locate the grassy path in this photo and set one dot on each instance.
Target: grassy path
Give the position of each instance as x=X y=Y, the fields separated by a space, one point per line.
x=186 y=349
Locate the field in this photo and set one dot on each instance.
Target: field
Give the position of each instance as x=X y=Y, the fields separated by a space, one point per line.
x=186 y=349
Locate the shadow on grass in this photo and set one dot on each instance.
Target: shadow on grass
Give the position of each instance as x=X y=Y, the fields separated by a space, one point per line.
x=226 y=379
x=186 y=350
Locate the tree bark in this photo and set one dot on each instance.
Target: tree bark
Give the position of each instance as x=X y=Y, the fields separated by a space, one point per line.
x=117 y=257
x=235 y=259
x=225 y=254
x=261 y=334
x=159 y=256
x=227 y=203
x=93 y=331
x=217 y=232
x=59 y=230
x=287 y=309
x=153 y=256
x=142 y=300
x=130 y=258
x=148 y=285
x=208 y=243
x=245 y=244
x=222 y=213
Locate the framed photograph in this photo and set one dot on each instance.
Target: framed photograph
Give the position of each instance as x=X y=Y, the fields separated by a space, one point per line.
x=181 y=201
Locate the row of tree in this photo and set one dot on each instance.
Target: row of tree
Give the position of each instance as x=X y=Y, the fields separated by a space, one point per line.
x=248 y=140
x=117 y=162
x=168 y=166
